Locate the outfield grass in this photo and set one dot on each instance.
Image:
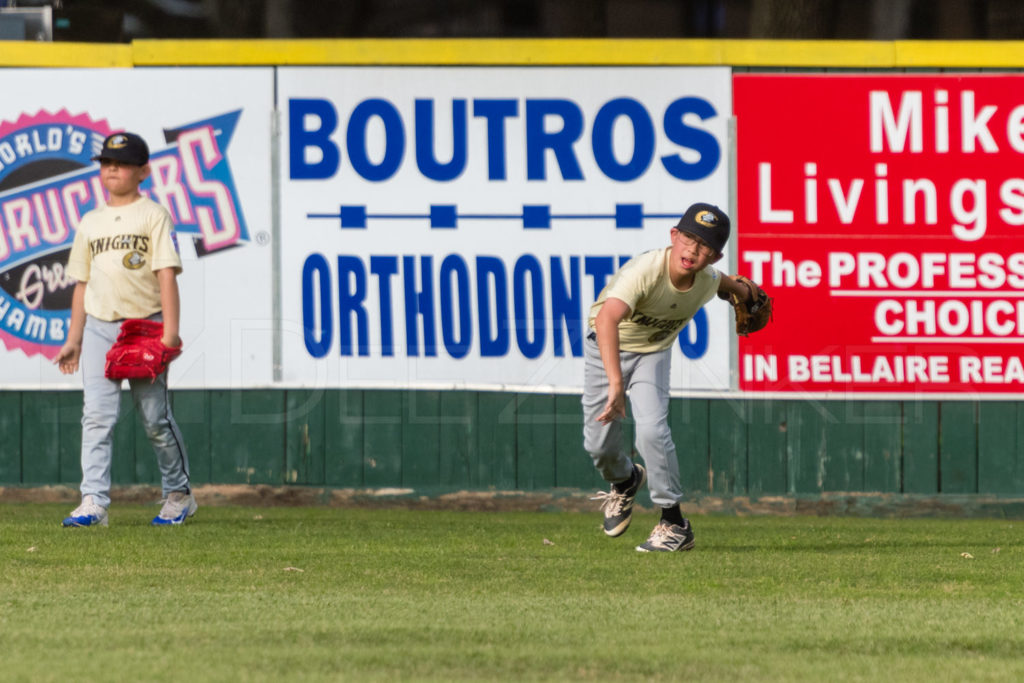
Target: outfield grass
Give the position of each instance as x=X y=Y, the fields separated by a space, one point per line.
x=310 y=594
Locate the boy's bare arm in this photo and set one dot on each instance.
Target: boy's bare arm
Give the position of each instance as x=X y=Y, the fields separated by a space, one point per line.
x=728 y=285
x=607 y=327
x=69 y=354
x=170 y=302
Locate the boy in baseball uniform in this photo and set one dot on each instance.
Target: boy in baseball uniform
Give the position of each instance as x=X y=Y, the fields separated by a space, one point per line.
x=633 y=325
x=125 y=260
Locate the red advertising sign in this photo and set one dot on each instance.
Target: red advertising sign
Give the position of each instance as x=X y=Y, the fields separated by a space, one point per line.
x=885 y=215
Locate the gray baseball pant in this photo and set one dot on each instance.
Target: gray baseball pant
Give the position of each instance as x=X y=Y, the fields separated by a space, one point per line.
x=101 y=409
x=646 y=377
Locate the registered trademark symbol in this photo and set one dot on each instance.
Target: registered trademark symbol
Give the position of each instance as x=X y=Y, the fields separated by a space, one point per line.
x=262 y=238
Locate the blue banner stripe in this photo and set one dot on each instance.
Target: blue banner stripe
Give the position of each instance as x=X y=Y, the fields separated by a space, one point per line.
x=533 y=217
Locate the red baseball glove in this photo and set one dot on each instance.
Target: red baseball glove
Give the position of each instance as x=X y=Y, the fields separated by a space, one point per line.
x=139 y=351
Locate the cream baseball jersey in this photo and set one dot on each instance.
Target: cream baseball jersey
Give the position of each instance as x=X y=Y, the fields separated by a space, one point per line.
x=658 y=310
x=117 y=250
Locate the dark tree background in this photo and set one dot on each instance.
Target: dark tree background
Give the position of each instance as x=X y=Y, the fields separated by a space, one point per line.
x=123 y=20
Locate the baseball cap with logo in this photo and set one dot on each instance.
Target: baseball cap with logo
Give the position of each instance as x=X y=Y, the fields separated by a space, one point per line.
x=707 y=222
x=127 y=148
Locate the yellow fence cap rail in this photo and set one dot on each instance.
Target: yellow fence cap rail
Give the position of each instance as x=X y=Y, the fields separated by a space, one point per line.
x=965 y=54
x=771 y=54
x=54 y=55
x=541 y=51
x=809 y=53
x=418 y=51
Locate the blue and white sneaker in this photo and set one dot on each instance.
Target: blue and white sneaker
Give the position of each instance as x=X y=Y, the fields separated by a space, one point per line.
x=89 y=513
x=178 y=506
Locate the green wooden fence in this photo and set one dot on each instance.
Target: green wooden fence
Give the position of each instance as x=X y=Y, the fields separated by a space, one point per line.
x=436 y=441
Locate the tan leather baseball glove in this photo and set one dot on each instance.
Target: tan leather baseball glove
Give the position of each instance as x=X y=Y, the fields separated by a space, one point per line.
x=752 y=315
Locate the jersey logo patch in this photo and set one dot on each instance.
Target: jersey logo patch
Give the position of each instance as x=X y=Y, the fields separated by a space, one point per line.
x=658 y=336
x=133 y=260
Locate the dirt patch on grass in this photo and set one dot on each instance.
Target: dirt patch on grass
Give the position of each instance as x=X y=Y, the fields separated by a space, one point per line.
x=827 y=504
x=394 y=498
x=298 y=496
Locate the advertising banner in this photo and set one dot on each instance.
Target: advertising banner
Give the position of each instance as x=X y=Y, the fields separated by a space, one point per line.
x=885 y=214
x=450 y=227
x=209 y=133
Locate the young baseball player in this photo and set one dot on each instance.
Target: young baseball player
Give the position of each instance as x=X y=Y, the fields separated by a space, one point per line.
x=633 y=325
x=125 y=260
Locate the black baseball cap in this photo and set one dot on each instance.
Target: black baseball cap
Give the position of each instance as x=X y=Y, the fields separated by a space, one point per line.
x=127 y=148
x=707 y=222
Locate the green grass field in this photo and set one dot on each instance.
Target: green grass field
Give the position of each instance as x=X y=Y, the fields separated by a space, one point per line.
x=311 y=594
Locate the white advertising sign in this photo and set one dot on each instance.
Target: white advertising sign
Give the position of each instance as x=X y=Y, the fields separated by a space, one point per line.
x=209 y=133
x=450 y=227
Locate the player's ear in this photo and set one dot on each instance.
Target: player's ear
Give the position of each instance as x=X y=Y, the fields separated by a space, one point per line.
x=143 y=172
x=716 y=258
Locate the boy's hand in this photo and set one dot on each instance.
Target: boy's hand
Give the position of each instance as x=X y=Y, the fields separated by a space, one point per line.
x=614 y=408
x=754 y=291
x=172 y=341
x=67 y=358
